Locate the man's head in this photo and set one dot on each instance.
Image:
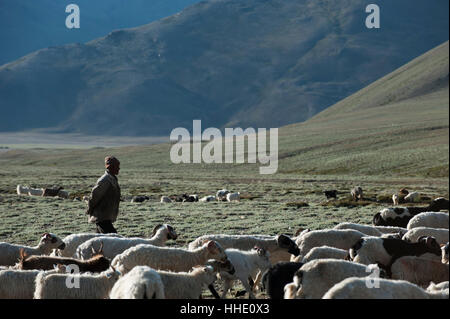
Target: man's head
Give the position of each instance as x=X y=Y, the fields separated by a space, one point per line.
x=112 y=164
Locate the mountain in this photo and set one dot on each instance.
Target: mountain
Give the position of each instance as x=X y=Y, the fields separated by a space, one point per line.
x=27 y=26
x=227 y=62
x=398 y=125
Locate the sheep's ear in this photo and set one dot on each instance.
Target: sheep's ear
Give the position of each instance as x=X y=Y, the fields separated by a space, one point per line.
x=22 y=254
x=212 y=246
x=100 y=251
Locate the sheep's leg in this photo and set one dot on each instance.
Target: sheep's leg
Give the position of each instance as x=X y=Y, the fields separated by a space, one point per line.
x=257 y=280
x=248 y=288
x=226 y=287
x=213 y=291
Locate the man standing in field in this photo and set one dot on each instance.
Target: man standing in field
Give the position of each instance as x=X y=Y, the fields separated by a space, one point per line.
x=103 y=206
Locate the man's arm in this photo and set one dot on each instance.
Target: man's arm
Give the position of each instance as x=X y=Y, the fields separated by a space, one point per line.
x=97 y=194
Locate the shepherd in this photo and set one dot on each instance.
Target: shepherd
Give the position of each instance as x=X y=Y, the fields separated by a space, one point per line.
x=103 y=205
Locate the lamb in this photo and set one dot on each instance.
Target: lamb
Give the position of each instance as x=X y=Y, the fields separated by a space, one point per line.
x=116 y=245
x=247 y=265
x=429 y=219
x=278 y=276
x=369 y=250
x=316 y=277
x=343 y=239
x=74 y=240
x=444 y=255
x=400 y=216
x=414 y=234
x=97 y=263
x=221 y=195
x=85 y=286
x=209 y=198
x=324 y=252
x=233 y=197
x=357 y=193
x=141 y=282
x=420 y=271
x=20 y=284
x=168 y=258
x=280 y=247
x=356 y=288
x=165 y=199
x=10 y=253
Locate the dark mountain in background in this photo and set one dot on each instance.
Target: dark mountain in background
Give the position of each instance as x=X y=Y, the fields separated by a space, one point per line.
x=27 y=26
x=260 y=63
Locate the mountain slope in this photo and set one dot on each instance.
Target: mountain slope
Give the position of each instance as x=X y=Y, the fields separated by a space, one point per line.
x=27 y=26
x=398 y=125
x=226 y=62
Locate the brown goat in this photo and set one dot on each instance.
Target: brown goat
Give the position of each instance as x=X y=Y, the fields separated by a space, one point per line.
x=97 y=263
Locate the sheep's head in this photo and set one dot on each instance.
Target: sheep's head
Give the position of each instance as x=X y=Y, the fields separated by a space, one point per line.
x=169 y=231
x=112 y=273
x=264 y=255
x=216 y=251
x=51 y=241
x=378 y=220
x=219 y=266
x=431 y=244
x=285 y=242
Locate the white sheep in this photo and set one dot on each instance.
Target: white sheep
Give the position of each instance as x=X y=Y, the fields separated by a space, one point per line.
x=10 y=253
x=114 y=246
x=74 y=240
x=441 y=235
x=437 y=287
x=365 y=229
x=420 y=271
x=234 y=197
x=429 y=219
x=20 y=284
x=338 y=238
x=247 y=264
x=221 y=195
x=35 y=191
x=141 y=282
x=168 y=258
x=75 y=286
x=209 y=198
x=357 y=288
x=316 y=277
x=165 y=199
x=325 y=252
x=413 y=197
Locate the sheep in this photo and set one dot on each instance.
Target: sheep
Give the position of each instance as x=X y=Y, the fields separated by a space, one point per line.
x=221 y=195
x=209 y=198
x=167 y=258
x=365 y=229
x=356 y=288
x=280 y=247
x=142 y=282
x=444 y=254
x=165 y=199
x=35 y=191
x=247 y=265
x=413 y=197
x=22 y=190
x=97 y=263
x=437 y=287
x=357 y=193
x=52 y=191
x=386 y=251
x=395 y=199
x=343 y=239
x=278 y=276
x=324 y=252
x=10 y=253
x=74 y=240
x=139 y=199
x=233 y=197
x=20 y=284
x=414 y=234
x=400 y=216
x=85 y=286
x=116 y=245
x=190 y=198
x=330 y=193
x=316 y=277
x=420 y=271
x=429 y=219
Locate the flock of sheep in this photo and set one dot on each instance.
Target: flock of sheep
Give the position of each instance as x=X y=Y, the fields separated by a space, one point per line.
x=404 y=254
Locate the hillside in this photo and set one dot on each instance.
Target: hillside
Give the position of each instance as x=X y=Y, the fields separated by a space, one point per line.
x=226 y=62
